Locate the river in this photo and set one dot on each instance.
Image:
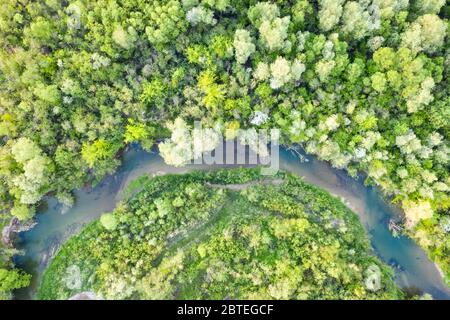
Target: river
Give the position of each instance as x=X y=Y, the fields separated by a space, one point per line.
x=413 y=270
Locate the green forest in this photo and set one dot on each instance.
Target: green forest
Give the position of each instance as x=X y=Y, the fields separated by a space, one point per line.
x=360 y=84
x=222 y=235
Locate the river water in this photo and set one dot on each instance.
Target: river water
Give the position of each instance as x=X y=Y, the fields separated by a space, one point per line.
x=413 y=270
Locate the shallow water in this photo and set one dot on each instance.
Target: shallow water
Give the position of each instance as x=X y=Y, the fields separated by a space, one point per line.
x=414 y=271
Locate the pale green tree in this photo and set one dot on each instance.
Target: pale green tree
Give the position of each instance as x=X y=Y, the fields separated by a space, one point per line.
x=427 y=33
x=262 y=11
x=24 y=149
x=109 y=221
x=243 y=45
x=199 y=14
x=280 y=71
x=329 y=14
x=355 y=20
x=124 y=38
x=428 y=6
x=274 y=33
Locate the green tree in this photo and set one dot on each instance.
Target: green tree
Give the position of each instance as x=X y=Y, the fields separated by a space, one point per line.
x=243 y=45
x=109 y=221
x=10 y=280
x=96 y=151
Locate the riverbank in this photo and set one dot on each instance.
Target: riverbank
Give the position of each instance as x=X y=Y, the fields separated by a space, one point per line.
x=266 y=237
x=413 y=268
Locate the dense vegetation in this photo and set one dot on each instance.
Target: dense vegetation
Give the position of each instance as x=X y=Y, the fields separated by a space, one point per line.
x=10 y=278
x=195 y=236
x=362 y=84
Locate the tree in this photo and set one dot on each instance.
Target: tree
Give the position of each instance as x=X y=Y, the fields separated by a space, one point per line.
x=166 y=22
x=388 y=8
x=34 y=175
x=96 y=151
x=24 y=149
x=109 y=221
x=384 y=58
x=329 y=14
x=408 y=143
x=262 y=71
x=375 y=42
x=214 y=92
x=139 y=132
x=262 y=11
x=357 y=21
x=199 y=14
x=40 y=30
x=48 y=94
x=22 y=212
x=99 y=61
x=427 y=33
x=280 y=71
x=10 y=280
x=186 y=144
x=34 y=169
x=243 y=45
x=378 y=82
x=222 y=46
x=300 y=12
x=323 y=69
x=284 y=225
x=220 y=5
x=416 y=211
x=283 y=71
x=124 y=38
x=204 y=140
x=177 y=150
x=423 y=97
x=274 y=33
x=153 y=92
x=428 y=6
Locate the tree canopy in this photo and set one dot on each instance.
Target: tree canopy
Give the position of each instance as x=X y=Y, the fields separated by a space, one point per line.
x=193 y=236
x=361 y=84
